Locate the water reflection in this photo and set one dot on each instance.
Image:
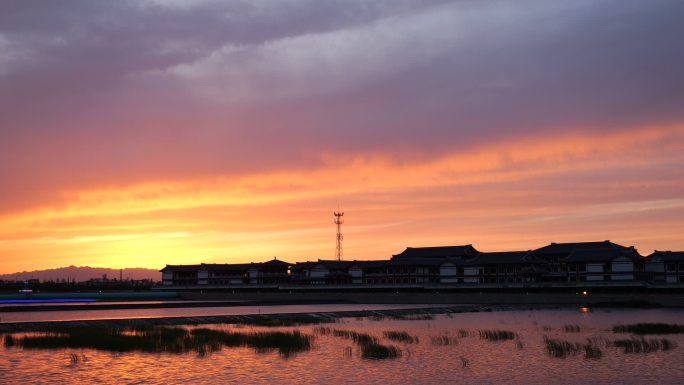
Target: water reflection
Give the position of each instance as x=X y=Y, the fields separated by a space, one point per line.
x=100 y=314
x=497 y=347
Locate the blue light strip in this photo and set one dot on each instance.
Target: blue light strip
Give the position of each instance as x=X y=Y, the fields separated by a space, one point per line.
x=47 y=300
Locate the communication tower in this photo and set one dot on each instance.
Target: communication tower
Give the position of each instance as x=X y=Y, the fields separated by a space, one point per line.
x=339 y=221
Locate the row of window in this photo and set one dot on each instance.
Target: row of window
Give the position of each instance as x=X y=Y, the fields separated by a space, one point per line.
x=674 y=267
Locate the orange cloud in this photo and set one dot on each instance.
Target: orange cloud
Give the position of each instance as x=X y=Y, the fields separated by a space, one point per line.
x=278 y=213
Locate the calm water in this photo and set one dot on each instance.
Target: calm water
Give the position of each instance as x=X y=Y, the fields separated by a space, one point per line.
x=95 y=314
x=468 y=359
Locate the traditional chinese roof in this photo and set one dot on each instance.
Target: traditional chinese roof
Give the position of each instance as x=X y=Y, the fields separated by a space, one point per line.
x=568 y=248
x=602 y=255
x=327 y=263
x=464 y=251
x=667 y=256
x=504 y=257
x=225 y=266
x=274 y=262
x=180 y=268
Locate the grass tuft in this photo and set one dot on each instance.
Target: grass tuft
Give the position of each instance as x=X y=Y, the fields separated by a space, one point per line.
x=413 y=317
x=379 y=352
x=649 y=328
x=287 y=320
x=163 y=340
x=444 y=340
x=642 y=345
x=497 y=335
x=562 y=349
x=370 y=347
x=401 y=336
x=572 y=328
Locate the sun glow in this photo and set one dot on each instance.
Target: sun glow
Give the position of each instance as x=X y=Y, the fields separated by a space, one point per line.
x=286 y=213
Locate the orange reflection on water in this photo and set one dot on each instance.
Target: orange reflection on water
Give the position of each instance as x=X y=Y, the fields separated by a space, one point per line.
x=467 y=358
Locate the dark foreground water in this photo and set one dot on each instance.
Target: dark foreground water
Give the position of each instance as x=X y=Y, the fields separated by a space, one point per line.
x=446 y=349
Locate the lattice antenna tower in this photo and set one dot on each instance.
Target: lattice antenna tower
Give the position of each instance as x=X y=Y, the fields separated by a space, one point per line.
x=338 y=246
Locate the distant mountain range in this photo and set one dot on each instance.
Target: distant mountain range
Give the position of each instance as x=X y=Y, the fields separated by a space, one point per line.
x=83 y=273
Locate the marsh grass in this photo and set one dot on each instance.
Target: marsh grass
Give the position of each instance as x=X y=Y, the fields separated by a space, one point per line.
x=412 y=317
x=444 y=340
x=649 y=328
x=403 y=317
x=572 y=328
x=163 y=340
x=497 y=335
x=642 y=345
x=592 y=352
x=379 y=352
x=369 y=345
x=75 y=359
x=562 y=349
x=401 y=336
x=447 y=339
x=288 y=320
x=9 y=341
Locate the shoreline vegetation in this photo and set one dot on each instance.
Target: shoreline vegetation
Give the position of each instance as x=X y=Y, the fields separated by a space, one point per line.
x=188 y=337
x=152 y=339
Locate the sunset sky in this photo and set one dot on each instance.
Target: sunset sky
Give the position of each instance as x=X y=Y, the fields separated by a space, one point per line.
x=150 y=132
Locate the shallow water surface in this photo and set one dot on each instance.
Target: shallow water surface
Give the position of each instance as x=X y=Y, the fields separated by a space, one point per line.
x=103 y=314
x=449 y=349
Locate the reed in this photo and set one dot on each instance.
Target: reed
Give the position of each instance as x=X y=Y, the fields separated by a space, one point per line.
x=369 y=345
x=642 y=345
x=562 y=349
x=163 y=340
x=75 y=359
x=289 y=320
x=412 y=317
x=323 y=330
x=400 y=336
x=358 y=338
x=572 y=328
x=497 y=335
x=444 y=340
x=379 y=352
x=592 y=351
x=9 y=341
x=649 y=328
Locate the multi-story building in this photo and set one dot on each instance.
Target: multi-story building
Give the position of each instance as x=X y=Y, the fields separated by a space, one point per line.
x=273 y=272
x=557 y=264
x=666 y=266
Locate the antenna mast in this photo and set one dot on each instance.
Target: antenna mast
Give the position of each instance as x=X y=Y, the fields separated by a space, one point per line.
x=339 y=221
